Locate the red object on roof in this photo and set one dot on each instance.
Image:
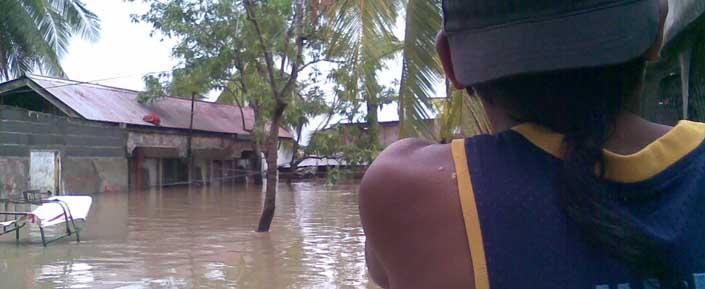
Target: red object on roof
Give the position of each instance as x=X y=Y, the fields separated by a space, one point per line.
x=152 y=118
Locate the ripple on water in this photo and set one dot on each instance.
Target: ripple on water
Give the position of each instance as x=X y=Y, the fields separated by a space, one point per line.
x=201 y=238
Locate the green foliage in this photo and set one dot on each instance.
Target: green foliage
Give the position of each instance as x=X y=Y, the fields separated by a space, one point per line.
x=246 y=51
x=36 y=33
x=303 y=108
x=208 y=34
x=333 y=176
x=219 y=50
x=326 y=143
x=217 y=46
x=154 y=90
x=163 y=85
x=421 y=67
x=461 y=115
x=362 y=37
x=336 y=174
x=347 y=143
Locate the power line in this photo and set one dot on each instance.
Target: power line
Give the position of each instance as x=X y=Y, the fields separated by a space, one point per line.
x=104 y=79
x=94 y=82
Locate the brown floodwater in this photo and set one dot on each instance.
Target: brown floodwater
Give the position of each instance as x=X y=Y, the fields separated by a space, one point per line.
x=200 y=237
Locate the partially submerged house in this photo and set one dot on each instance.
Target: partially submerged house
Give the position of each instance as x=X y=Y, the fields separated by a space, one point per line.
x=72 y=136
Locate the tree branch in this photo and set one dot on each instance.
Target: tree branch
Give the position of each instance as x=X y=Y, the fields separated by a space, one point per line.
x=252 y=16
x=239 y=104
x=298 y=23
x=307 y=64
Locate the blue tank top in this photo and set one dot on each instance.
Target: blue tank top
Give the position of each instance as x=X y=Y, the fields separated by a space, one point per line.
x=519 y=237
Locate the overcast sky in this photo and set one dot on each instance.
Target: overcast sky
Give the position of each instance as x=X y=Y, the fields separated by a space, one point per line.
x=125 y=51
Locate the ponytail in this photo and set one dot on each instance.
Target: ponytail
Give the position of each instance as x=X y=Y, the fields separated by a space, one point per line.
x=582 y=104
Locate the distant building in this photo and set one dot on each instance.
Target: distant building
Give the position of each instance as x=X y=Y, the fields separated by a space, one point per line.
x=388 y=130
x=78 y=137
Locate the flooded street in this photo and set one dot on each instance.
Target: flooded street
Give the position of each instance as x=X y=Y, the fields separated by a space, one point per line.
x=200 y=238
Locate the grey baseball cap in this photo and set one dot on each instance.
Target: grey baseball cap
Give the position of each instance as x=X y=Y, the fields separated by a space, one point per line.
x=492 y=39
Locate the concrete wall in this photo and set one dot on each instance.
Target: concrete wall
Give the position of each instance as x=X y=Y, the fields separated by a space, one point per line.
x=389 y=134
x=146 y=148
x=173 y=145
x=14 y=175
x=92 y=154
x=104 y=175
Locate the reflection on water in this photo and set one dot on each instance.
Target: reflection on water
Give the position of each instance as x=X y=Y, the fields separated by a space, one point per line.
x=201 y=238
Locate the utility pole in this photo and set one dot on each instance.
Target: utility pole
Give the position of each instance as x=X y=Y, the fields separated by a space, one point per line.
x=190 y=136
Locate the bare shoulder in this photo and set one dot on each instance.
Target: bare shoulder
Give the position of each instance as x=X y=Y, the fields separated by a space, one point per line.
x=407 y=173
x=411 y=214
x=407 y=166
x=410 y=156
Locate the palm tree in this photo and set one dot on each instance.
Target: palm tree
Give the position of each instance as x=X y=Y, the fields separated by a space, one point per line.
x=459 y=114
x=34 y=34
x=363 y=37
x=421 y=68
x=362 y=34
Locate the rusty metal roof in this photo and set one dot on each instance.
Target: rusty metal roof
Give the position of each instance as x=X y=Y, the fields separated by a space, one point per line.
x=118 y=105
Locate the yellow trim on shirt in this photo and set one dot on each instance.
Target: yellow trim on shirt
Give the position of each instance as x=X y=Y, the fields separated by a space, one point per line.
x=470 y=215
x=636 y=167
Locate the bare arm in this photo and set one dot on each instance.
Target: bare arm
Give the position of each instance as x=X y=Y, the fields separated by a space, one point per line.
x=411 y=215
x=377 y=210
x=374 y=267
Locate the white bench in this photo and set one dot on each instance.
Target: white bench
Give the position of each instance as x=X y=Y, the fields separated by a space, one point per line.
x=51 y=212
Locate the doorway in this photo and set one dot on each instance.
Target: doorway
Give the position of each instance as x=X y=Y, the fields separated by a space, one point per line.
x=45 y=170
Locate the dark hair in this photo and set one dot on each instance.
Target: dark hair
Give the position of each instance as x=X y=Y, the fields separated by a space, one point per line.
x=583 y=104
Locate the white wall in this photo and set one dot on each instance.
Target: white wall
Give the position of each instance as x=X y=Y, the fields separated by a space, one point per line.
x=285 y=152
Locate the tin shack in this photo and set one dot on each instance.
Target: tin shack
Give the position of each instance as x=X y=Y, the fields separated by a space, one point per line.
x=71 y=136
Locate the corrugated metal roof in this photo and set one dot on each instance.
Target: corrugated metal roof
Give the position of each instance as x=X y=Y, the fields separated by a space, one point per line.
x=117 y=105
x=320 y=162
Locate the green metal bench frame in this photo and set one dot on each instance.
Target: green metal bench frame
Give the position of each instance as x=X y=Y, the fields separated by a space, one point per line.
x=35 y=198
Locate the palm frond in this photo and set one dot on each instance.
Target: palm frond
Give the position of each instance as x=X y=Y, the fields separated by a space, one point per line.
x=362 y=36
x=421 y=68
x=461 y=115
x=82 y=21
x=34 y=34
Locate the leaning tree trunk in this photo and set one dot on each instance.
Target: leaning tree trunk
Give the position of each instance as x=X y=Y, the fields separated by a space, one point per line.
x=265 y=220
x=280 y=105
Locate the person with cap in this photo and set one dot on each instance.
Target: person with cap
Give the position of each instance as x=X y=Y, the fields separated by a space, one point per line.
x=572 y=190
